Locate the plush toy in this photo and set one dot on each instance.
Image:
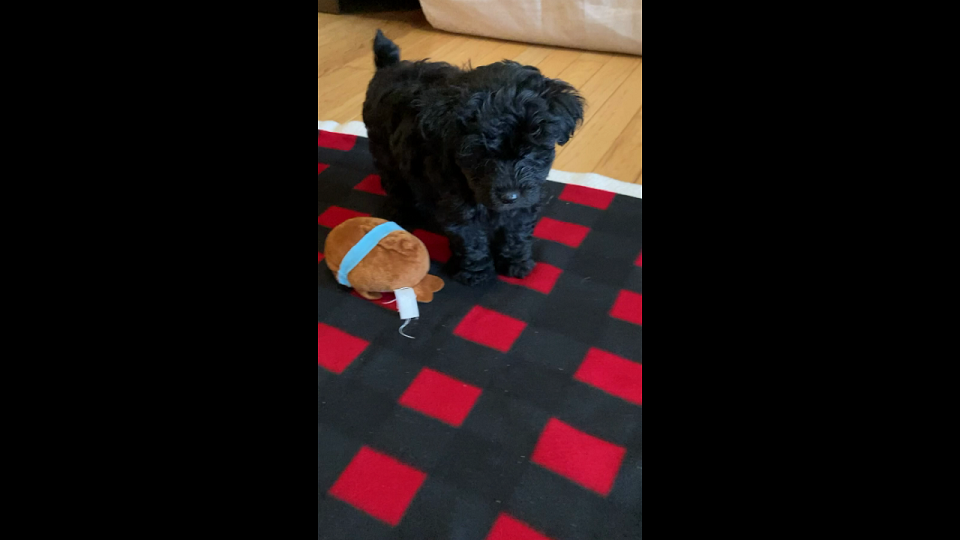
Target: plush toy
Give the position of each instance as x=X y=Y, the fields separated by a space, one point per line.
x=375 y=256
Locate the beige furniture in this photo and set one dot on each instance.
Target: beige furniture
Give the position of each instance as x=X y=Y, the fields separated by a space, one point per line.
x=601 y=25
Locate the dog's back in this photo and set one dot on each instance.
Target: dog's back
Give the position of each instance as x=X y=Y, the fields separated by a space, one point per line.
x=395 y=87
x=393 y=106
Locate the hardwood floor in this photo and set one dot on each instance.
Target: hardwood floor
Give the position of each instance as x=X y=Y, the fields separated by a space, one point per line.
x=610 y=142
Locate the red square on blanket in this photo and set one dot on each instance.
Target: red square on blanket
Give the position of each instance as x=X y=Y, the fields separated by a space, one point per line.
x=508 y=528
x=336 y=350
x=379 y=485
x=336 y=141
x=371 y=184
x=613 y=374
x=587 y=197
x=443 y=398
x=542 y=279
x=335 y=215
x=628 y=307
x=490 y=329
x=568 y=234
x=583 y=459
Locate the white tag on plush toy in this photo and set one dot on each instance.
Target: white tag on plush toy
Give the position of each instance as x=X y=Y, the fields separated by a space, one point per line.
x=407 y=304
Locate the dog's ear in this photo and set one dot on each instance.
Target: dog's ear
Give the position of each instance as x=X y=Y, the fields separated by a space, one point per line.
x=566 y=107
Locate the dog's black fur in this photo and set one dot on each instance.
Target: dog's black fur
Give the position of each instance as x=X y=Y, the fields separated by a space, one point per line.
x=468 y=149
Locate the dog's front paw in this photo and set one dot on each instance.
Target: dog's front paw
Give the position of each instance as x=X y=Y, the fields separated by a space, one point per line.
x=516 y=269
x=473 y=278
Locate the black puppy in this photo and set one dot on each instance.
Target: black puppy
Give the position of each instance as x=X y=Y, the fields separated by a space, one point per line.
x=469 y=149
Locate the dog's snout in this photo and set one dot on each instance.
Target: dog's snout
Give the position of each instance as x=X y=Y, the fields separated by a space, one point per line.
x=509 y=197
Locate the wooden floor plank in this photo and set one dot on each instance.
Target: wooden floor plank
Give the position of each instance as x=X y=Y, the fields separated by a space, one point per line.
x=465 y=51
x=607 y=81
x=589 y=147
x=505 y=51
x=558 y=60
x=356 y=40
x=624 y=160
x=584 y=68
x=532 y=56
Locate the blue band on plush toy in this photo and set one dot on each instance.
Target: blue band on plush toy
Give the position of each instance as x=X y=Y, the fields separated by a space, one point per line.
x=363 y=248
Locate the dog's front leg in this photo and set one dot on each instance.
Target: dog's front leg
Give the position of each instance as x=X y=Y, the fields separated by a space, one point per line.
x=472 y=262
x=514 y=249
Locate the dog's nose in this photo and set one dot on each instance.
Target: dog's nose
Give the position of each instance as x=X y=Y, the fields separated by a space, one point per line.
x=509 y=197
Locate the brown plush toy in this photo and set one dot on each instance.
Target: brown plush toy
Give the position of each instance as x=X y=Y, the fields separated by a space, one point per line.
x=386 y=259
